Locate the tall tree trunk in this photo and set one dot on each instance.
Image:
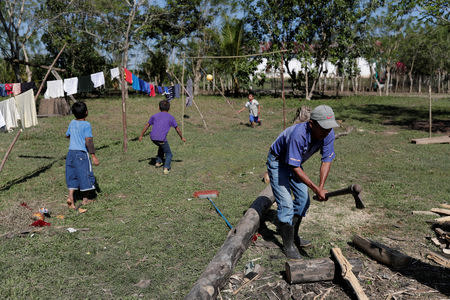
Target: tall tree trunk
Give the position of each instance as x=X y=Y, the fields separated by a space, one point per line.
x=396 y=82
x=306 y=83
x=197 y=74
x=439 y=82
x=420 y=84
x=388 y=80
x=27 y=68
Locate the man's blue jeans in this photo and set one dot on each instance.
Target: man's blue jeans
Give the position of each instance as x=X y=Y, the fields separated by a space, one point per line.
x=283 y=181
x=163 y=150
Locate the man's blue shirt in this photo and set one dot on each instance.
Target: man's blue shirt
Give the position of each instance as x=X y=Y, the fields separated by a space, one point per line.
x=295 y=145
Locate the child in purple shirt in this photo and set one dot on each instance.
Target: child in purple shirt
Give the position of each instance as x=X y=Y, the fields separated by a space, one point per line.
x=161 y=123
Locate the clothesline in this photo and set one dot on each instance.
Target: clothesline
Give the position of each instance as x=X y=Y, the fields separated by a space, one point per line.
x=236 y=56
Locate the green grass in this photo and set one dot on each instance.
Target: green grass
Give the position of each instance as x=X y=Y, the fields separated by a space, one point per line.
x=148 y=226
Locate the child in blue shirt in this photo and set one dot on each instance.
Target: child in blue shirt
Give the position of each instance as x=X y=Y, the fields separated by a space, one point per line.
x=79 y=174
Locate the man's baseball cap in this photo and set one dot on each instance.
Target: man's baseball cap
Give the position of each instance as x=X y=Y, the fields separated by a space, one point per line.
x=324 y=115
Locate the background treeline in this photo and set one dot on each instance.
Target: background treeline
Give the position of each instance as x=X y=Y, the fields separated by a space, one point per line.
x=406 y=43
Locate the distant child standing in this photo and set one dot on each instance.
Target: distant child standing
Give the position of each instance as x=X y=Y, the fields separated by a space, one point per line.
x=79 y=174
x=254 y=110
x=161 y=123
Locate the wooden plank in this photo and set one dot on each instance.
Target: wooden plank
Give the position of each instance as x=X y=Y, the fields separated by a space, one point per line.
x=221 y=266
x=347 y=274
x=441 y=211
x=442 y=220
x=314 y=270
x=382 y=253
x=424 y=213
x=434 y=140
x=439 y=259
x=445 y=205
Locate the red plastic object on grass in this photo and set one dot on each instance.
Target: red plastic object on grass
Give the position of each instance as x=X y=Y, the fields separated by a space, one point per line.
x=40 y=223
x=206 y=193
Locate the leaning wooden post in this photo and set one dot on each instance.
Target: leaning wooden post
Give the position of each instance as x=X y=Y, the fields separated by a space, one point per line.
x=429 y=113
x=282 y=91
x=183 y=104
x=48 y=72
x=221 y=266
x=9 y=149
x=347 y=274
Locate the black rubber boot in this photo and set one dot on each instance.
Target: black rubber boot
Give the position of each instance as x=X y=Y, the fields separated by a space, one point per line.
x=287 y=234
x=297 y=239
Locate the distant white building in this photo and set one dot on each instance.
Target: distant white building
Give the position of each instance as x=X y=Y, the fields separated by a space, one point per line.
x=296 y=65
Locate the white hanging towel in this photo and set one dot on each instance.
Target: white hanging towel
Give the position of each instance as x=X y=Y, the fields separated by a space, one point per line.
x=2 y=120
x=9 y=112
x=115 y=73
x=26 y=108
x=55 y=89
x=98 y=79
x=71 y=85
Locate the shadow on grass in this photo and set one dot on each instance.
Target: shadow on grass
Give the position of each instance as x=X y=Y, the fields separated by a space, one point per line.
x=36 y=156
x=405 y=117
x=152 y=160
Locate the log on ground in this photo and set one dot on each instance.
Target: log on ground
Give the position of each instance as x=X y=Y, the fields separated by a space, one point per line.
x=382 y=253
x=221 y=266
x=314 y=270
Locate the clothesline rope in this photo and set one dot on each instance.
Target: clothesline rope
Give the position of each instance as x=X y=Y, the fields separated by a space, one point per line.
x=237 y=56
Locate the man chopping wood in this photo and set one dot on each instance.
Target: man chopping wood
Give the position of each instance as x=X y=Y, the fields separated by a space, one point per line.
x=284 y=163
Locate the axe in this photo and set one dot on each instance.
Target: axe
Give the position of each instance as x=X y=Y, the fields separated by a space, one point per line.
x=354 y=189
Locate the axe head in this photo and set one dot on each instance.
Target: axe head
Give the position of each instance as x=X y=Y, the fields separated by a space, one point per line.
x=356 y=190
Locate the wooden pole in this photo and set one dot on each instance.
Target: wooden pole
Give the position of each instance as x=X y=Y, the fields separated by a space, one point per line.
x=429 y=112
x=198 y=109
x=221 y=266
x=48 y=72
x=9 y=149
x=347 y=273
x=183 y=104
x=123 y=87
x=282 y=91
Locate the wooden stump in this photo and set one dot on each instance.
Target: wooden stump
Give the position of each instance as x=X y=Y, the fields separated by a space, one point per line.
x=313 y=270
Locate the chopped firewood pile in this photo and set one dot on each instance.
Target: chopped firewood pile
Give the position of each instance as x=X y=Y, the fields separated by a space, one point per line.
x=441 y=236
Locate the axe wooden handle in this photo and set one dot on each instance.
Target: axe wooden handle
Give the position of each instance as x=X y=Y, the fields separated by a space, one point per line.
x=353 y=189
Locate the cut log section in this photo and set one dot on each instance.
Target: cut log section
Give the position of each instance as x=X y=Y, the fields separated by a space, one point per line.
x=314 y=270
x=347 y=274
x=441 y=211
x=445 y=205
x=442 y=220
x=439 y=259
x=425 y=213
x=434 y=140
x=221 y=266
x=382 y=253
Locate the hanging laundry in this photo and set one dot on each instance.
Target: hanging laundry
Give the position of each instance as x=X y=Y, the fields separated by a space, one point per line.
x=160 y=90
x=25 y=86
x=98 y=79
x=85 y=84
x=177 y=90
x=152 y=90
x=115 y=73
x=170 y=93
x=146 y=88
x=128 y=76
x=10 y=113
x=135 y=84
x=166 y=90
x=26 y=108
x=55 y=89
x=16 y=89
x=71 y=85
x=190 y=92
x=141 y=85
x=8 y=88
x=2 y=120
x=2 y=90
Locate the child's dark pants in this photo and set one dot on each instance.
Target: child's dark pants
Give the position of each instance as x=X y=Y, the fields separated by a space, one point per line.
x=163 y=150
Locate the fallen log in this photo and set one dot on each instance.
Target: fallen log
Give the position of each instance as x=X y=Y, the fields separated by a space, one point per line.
x=221 y=266
x=382 y=253
x=425 y=213
x=441 y=260
x=314 y=270
x=347 y=274
x=445 y=205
